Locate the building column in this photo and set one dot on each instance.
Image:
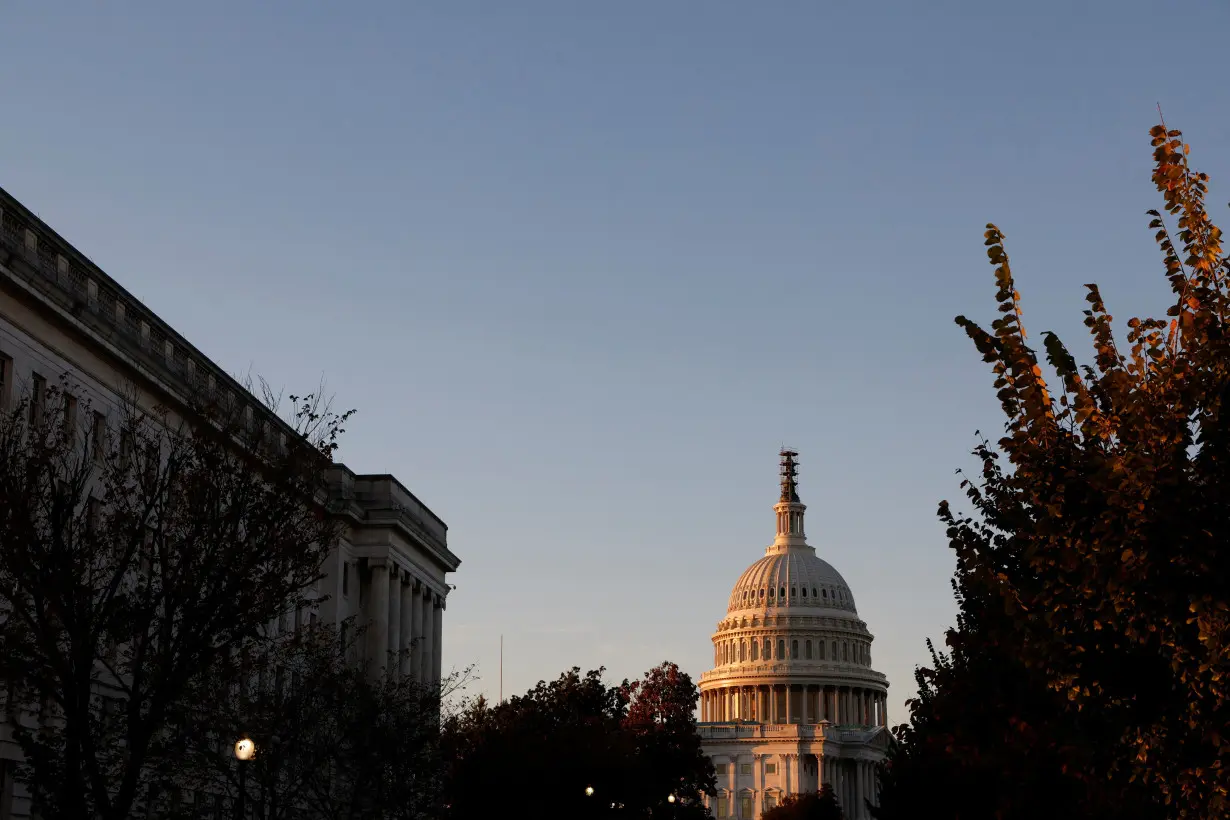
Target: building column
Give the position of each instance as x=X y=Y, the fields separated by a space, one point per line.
x=405 y=592
x=378 y=638
x=788 y=699
x=413 y=643
x=437 y=643
x=394 y=644
x=425 y=631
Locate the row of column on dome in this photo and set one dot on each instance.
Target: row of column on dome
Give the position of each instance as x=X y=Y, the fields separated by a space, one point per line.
x=405 y=614
x=795 y=703
x=731 y=651
x=853 y=780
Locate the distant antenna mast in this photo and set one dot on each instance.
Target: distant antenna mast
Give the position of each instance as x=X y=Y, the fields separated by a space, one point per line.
x=501 y=669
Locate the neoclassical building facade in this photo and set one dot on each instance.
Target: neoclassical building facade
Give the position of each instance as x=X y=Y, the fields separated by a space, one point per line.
x=62 y=316
x=792 y=701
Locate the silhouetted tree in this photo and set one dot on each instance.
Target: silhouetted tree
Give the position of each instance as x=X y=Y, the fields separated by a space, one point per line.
x=1090 y=667
x=822 y=805
x=573 y=738
x=332 y=741
x=137 y=557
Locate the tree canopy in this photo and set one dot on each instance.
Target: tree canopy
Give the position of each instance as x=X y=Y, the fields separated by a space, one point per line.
x=822 y=805
x=595 y=750
x=1087 y=672
x=142 y=551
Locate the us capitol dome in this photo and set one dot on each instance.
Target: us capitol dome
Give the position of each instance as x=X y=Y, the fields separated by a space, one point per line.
x=792 y=701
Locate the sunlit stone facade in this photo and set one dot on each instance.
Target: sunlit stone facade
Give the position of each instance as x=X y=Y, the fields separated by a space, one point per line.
x=60 y=314
x=792 y=701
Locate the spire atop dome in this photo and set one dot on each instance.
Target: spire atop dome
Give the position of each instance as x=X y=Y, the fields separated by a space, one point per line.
x=790 y=481
x=789 y=508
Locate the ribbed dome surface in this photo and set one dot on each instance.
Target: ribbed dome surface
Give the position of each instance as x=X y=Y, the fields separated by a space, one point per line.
x=794 y=578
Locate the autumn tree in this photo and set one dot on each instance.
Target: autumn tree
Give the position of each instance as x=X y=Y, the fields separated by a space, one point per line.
x=598 y=751
x=139 y=554
x=1092 y=654
x=821 y=805
x=660 y=728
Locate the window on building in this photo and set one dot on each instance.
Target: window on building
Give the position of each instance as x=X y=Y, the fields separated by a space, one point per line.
x=98 y=436
x=742 y=651
x=770 y=768
x=770 y=802
x=845 y=651
x=813 y=592
x=745 y=768
x=834 y=650
x=781 y=649
x=755 y=651
x=93 y=514
x=821 y=645
x=719 y=768
x=38 y=395
x=125 y=449
x=807 y=650
x=794 y=592
x=721 y=807
x=6 y=379
x=762 y=594
x=69 y=419
x=767 y=653
x=151 y=463
x=794 y=650
x=745 y=805
x=781 y=592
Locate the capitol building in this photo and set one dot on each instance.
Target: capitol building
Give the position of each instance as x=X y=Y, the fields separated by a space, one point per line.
x=792 y=702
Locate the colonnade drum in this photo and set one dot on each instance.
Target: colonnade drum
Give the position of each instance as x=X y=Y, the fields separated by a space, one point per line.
x=793 y=701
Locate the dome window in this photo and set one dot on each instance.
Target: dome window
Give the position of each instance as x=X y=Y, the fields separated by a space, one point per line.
x=824 y=593
x=813 y=592
x=762 y=594
x=781 y=649
x=794 y=592
x=804 y=592
x=807 y=646
x=794 y=650
x=820 y=645
x=771 y=592
x=781 y=592
x=755 y=650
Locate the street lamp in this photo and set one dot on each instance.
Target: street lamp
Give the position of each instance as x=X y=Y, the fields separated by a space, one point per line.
x=245 y=751
x=589 y=791
x=670 y=798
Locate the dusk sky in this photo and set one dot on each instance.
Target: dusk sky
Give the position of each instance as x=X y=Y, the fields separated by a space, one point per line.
x=584 y=267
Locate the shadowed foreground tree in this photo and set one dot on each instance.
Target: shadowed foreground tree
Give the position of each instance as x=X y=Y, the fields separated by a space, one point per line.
x=137 y=556
x=1089 y=666
x=332 y=742
x=820 y=806
x=634 y=746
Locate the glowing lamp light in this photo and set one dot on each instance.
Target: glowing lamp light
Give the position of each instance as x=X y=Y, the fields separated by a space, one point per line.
x=670 y=798
x=245 y=749
x=589 y=791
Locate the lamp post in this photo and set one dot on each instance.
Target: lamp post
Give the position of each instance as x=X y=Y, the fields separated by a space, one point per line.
x=245 y=751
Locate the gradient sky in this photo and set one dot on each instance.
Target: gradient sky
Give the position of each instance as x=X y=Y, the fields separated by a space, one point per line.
x=584 y=267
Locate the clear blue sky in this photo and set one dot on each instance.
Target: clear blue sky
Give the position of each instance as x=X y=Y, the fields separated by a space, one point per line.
x=584 y=267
